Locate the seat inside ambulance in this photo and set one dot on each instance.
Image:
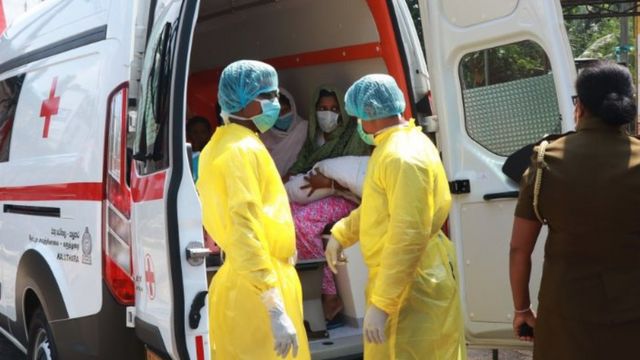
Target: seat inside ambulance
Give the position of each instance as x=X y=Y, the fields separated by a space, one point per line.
x=310 y=43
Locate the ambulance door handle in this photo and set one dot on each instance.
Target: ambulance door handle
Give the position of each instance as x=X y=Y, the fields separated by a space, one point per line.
x=196 y=253
x=196 y=306
x=501 y=195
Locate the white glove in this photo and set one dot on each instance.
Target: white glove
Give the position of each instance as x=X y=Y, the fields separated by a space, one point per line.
x=333 y=254
x=374 y=325
x=284 y=333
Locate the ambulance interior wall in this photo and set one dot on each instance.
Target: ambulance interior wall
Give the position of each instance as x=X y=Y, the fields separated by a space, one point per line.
x=285 y=28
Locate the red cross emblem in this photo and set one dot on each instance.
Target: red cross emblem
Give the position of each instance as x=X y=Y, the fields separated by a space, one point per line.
x=150 y=277
x=49 y=107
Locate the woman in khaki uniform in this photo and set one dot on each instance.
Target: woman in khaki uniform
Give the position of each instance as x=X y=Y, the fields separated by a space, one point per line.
x=589 y=196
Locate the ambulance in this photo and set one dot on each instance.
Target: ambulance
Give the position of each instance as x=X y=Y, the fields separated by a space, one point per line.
x=101 y=240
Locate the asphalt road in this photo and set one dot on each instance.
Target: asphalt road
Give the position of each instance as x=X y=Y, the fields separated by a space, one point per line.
x=10 y=352
x=476 y=354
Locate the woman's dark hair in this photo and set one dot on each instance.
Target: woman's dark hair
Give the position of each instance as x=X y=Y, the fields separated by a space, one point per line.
x=283 y=99
x=605 y=89
x=198 y=120
x=325 y=93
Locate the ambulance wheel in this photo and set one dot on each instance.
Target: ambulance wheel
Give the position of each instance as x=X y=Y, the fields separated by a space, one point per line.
x=41 y=345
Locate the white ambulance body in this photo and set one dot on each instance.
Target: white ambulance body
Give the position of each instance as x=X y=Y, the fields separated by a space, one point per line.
x=73 y=283
x=101 y=244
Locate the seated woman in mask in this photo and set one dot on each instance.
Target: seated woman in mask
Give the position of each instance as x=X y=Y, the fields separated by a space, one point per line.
x=332 y=133
x=285 y=139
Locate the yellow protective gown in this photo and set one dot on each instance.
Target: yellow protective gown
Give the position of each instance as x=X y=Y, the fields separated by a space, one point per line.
x=246 y=211
x=411 y=263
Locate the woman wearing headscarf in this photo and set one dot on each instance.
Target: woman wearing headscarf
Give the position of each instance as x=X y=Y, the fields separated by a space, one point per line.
x=285 y=139
x=585 y=187
x=332 y=133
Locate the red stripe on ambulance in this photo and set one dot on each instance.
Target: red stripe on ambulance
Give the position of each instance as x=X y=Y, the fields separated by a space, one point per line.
x=66 y=191
x=147 y=188
x=199 y=348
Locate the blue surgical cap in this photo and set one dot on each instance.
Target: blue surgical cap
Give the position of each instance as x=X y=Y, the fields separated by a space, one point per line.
x=242 y=81
x=373 y=97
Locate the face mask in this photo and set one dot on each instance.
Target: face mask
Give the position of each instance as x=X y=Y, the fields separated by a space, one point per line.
x=225 y=117
x=367 y=138
x=284 y=122
x=327 y=120
x=268 y=117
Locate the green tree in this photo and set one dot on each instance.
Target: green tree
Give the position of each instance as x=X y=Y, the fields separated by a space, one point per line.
x=600 y=38
x=597 y=38
x=417 y=19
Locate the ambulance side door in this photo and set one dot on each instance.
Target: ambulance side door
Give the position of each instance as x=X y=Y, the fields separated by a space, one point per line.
x=502 y=77
x=171 y=287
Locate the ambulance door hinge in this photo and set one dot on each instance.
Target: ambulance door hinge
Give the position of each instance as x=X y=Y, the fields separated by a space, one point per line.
x=196 y=306
x=429 y=124
x=460 y=186
x=131 y=316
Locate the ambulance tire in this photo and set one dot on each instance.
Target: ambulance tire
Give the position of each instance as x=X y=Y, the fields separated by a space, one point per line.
x=41 y=346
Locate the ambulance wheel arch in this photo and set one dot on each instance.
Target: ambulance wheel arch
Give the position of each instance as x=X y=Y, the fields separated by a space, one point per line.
x=39 y=289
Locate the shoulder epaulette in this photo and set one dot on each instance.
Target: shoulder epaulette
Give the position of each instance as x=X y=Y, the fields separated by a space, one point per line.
x=552 y=137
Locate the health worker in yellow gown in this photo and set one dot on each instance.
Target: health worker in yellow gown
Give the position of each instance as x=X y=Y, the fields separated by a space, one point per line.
x=413 y=301
x=255 y=299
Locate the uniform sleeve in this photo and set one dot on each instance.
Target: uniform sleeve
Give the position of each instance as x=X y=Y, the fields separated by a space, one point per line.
x=247 y=246
x=524 y=207
x=409 y=190
x=347 y=230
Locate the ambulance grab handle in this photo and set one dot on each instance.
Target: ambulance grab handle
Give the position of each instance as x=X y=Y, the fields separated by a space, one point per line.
x=196 y=253
x=501 y=195
x=196 y=305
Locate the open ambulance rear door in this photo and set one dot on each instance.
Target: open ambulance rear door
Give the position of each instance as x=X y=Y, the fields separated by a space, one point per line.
x=502 y=77
x=171 y=285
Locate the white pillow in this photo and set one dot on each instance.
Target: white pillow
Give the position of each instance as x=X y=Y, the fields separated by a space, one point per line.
x=348 y=171
x=299 y=196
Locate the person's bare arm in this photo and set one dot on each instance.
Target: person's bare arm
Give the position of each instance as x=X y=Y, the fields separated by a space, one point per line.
x=523 y=240
x=320 y=181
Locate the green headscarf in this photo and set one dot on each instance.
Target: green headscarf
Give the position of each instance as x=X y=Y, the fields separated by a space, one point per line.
x=343 y=141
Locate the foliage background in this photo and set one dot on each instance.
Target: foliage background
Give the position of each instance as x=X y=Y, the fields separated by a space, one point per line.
x=589 y=38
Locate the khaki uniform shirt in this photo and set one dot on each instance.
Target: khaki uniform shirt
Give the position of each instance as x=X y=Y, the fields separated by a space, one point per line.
x=590 y=196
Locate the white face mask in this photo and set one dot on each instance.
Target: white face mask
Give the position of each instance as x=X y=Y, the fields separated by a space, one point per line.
x=225 y=118
x=327 y=120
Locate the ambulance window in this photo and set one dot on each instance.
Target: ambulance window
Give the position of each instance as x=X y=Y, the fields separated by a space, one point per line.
x=509 y=96
x=151 y=146
x=9 y=93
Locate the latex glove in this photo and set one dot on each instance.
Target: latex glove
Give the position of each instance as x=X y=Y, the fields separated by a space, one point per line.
x=284 y=333
x=333 y=254
x=374 y=325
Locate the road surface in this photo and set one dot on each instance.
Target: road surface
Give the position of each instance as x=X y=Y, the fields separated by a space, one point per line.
x=10 y=352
